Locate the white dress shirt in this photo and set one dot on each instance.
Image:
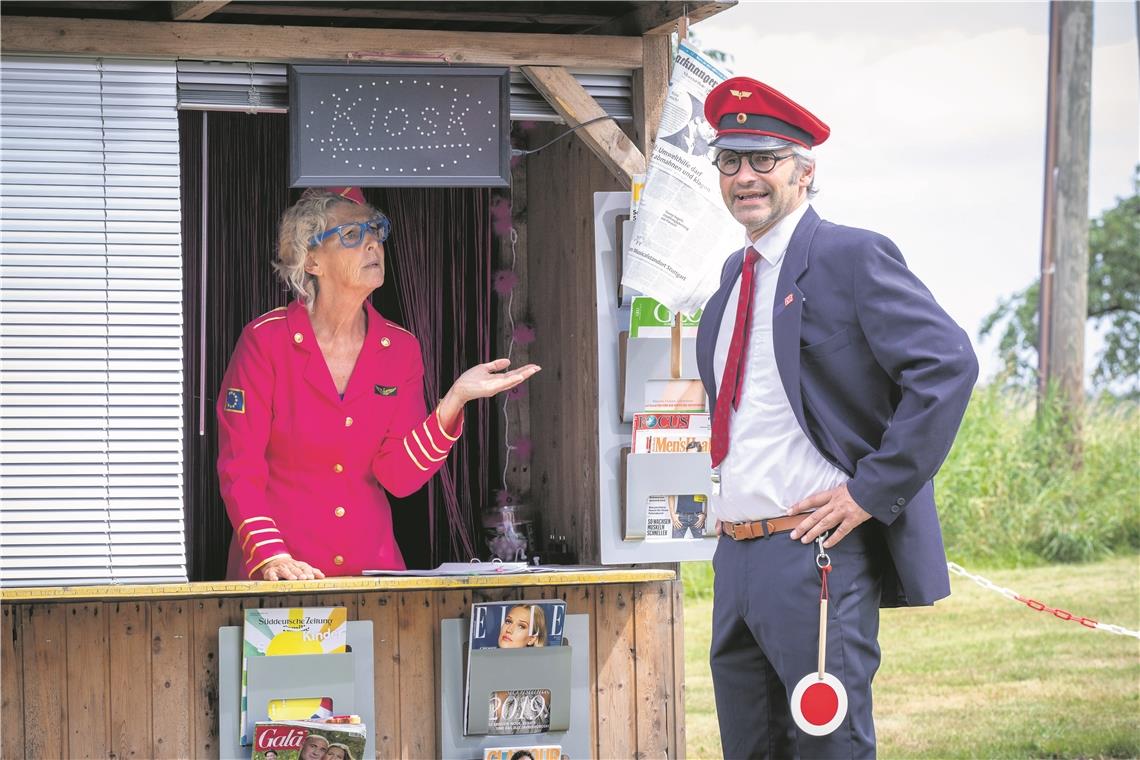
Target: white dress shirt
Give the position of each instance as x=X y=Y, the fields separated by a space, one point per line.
x=771 y=463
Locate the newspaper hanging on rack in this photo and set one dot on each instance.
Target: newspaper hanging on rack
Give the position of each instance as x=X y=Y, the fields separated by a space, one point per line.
x=682 y=232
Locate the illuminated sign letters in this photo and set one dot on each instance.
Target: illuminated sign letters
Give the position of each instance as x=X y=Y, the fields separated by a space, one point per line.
x=399 y=126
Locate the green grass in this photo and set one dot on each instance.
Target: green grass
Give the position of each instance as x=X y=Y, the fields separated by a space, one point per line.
x=981 y=676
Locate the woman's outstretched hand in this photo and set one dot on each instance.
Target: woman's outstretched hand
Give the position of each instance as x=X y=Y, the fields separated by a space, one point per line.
x=481 y=381
x=485 y=380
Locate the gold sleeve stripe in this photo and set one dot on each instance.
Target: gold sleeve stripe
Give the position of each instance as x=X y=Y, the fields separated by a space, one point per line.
x=259 y=517
x=263 y=562
x=427 y=432
x=419 y=443
x=266 y=321
x=260 y=544
x=446 y=435
x=252 y=533
x=413 y=456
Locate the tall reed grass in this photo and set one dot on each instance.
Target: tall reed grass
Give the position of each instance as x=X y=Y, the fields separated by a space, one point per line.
x=1012 y=494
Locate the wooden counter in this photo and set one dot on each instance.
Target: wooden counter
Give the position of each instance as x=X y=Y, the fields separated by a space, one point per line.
x=131 y=671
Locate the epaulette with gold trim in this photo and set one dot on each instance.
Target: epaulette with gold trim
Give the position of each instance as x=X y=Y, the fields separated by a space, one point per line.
x=401 y=329
x=269 y=316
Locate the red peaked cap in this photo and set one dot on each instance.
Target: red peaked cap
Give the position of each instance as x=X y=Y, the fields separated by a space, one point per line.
x=747 y=115
x=354 y=194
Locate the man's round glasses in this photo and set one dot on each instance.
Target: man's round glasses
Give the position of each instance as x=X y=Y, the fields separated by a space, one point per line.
x=728 y=162
x=353 y=233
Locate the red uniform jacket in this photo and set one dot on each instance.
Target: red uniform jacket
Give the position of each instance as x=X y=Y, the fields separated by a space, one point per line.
x=302 y=471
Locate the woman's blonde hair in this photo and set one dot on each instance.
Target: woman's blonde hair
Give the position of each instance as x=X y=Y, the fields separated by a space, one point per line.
x=307 y=217
x=343 y=747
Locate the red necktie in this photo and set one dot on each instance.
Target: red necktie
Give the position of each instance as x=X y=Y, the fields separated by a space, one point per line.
x=730 y=385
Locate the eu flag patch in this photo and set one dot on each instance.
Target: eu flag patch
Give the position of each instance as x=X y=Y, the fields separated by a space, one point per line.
x=235 y=400
x=385 y=390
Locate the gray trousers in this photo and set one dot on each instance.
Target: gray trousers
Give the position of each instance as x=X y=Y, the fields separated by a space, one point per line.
x=765 y=638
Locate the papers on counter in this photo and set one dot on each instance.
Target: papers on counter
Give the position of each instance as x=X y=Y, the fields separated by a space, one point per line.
x=486 y=568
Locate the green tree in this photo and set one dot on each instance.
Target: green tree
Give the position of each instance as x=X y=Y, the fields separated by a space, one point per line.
x=1113 y=305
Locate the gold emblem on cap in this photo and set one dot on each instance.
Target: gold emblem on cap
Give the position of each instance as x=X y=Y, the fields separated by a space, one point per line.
x=741 y=94
x=741 y=118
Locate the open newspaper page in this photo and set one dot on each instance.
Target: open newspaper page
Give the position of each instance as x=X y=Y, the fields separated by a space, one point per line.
x=682 y=233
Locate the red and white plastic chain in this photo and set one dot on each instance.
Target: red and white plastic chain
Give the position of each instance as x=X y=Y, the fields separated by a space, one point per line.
x=1033 y=604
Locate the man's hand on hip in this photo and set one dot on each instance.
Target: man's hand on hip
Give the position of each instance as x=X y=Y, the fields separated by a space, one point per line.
x=834 y=509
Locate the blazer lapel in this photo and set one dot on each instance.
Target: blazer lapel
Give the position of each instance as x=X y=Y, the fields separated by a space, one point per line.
x=787 y=311
x=709 y=328
x=305 y=342
x=363 y=374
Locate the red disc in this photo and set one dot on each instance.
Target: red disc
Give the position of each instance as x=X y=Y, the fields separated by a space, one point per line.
x=819 y=704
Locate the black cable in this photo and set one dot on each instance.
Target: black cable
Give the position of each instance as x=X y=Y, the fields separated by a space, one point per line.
x=521 y=152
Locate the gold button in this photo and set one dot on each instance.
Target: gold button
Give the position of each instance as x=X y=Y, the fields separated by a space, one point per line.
x=298 y=337
x=741 y=118
x=338 y=560
x=385 y=342
x=338 y=468
x=348 y=422
x=339 y=511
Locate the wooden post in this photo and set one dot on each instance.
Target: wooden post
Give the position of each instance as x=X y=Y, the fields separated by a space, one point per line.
x=650 y=86
x=1065 y=242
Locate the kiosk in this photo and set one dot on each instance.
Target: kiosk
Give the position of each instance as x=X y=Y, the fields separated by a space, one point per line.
x=127 y=664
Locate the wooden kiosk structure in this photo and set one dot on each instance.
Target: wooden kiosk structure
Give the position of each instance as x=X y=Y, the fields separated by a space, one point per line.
x=131 y=671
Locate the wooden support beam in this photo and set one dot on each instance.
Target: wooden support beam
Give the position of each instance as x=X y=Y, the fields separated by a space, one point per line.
x=652 y=18
x=240 y=42
x=477 y=15
x=195 y=10
x=576 y=106
x=650 y=88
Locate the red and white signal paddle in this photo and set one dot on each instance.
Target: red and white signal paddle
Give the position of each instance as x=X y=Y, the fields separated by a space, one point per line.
x=819 y=701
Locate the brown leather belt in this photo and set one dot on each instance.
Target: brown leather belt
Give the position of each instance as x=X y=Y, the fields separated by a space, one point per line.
x=743 y=531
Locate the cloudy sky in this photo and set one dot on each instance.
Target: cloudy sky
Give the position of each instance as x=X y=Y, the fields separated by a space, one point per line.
x=937 y=112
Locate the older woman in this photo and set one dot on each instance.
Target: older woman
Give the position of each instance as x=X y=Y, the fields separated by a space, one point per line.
x=322 y=407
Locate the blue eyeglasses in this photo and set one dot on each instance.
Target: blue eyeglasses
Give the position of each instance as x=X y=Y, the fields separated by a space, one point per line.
x=353 y=233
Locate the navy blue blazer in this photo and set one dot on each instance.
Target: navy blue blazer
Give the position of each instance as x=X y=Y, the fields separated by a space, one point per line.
x=878 y=376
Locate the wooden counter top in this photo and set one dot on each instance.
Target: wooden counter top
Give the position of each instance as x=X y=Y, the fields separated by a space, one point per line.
x=330 y=585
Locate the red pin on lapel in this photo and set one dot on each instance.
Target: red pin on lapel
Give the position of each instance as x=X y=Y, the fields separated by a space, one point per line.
x=788 y=299
x=819 y=701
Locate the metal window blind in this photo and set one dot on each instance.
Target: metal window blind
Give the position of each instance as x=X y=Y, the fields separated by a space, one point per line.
x=264 y=87
x=90 y=323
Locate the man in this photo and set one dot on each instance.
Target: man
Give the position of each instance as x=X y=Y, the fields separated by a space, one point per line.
x=687 y=513
x=314 y=747
x=837 y=385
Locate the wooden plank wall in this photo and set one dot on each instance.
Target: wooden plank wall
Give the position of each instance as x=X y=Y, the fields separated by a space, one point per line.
x=560 y=185
x=139 y=678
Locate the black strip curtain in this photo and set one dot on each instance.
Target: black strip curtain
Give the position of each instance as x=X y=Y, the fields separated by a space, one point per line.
x=438 y=286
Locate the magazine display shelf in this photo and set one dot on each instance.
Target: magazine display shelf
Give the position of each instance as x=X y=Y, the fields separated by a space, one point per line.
x=345 y=678
x=559 y=669
x=145 y=674
x=660 y=475
x=645 y=359
x=622 y=519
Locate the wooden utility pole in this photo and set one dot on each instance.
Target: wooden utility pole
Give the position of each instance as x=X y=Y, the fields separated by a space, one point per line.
x=1065 y=239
